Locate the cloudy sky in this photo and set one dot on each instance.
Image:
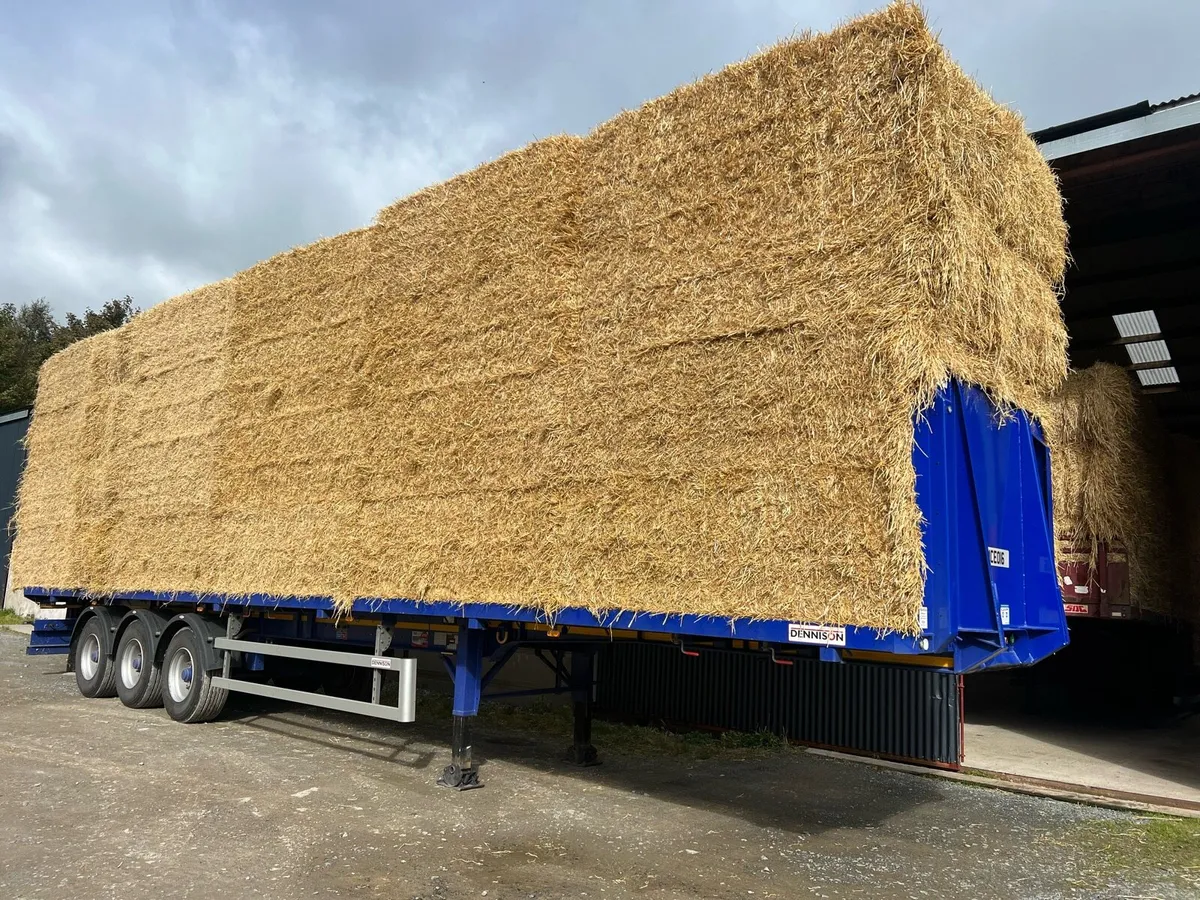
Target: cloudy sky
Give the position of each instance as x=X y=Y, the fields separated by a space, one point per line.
x=150 y=147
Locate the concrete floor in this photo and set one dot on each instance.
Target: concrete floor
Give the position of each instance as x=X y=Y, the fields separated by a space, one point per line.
x=277 y=801
x=1161 y=762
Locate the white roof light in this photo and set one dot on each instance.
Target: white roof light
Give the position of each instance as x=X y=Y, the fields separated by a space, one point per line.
x=1148 y=352
x=1137 y=324
x=1156 y=377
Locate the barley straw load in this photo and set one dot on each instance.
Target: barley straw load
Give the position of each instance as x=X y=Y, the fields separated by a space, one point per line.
x=670 y=366
x=1111 y=470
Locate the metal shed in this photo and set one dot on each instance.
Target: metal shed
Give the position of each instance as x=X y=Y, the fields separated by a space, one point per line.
x=12 y=459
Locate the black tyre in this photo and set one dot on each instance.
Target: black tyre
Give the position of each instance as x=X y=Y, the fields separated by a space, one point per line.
x=94 y=671
x=187 y=689
x=139 y=680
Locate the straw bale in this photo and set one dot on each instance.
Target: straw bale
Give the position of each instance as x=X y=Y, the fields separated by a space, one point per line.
x=670 y=366
x=285 y=492
x=122 y=451
x=170 y=422
x=61 y=452
x=1109 y=473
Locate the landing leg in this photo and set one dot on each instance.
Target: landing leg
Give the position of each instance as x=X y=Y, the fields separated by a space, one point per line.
x=581 y=752
x=461 y=774
x=468 y=670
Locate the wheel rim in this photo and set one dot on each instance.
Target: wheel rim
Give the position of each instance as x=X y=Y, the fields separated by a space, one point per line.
x=89 y=657
x=132 y=657
x=180 y=674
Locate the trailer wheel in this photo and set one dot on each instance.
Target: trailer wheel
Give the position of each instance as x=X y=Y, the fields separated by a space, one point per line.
x=188 y=692
x=139 y=680
x=95 y=673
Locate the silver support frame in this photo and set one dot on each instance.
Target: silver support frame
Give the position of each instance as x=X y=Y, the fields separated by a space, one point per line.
x=338 y=657
x=383 y=640
x=406 y=669
x=405 y=712
x=233 y=625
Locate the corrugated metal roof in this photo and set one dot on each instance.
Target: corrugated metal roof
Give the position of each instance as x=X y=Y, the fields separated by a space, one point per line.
x=14 y=416
x=1157 y=377
x=1118 y=126
x=1091 y=123
x=1137 y=324
x=1178 y=101
x=1148 y=352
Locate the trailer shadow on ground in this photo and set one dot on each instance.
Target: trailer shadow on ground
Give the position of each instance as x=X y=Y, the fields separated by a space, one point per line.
x=344 y=733
x=788 y=790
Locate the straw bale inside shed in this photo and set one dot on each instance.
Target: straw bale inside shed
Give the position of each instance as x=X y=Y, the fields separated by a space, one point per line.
x=1110 y=471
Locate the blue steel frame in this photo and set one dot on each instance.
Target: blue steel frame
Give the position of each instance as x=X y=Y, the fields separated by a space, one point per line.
x=991 y=596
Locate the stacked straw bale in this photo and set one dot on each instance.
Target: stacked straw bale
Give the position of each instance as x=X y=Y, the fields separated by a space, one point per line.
x=671 y=366
x=123 y=463
x=1110 y=469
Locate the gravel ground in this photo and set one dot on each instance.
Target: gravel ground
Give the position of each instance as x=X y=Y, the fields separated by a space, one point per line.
x=276 y=801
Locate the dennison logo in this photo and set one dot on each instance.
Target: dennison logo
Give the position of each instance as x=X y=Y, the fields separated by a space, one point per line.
x=811 y=633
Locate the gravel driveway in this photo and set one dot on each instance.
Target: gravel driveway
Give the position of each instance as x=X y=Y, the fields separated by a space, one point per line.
x=277 y=801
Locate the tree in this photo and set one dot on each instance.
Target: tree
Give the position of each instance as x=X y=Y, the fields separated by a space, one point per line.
x=29 y=334
x=112 y=314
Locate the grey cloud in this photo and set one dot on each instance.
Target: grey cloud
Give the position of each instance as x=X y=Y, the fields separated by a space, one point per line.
x=146 y=148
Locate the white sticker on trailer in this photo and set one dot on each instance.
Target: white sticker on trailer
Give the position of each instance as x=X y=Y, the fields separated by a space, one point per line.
x=825 y=635
x=923 y=618
x=381 y=662
x=998 y=557
x=1005 y=616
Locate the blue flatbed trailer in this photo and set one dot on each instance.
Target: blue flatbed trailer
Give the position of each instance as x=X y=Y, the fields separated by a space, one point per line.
x=991 y=601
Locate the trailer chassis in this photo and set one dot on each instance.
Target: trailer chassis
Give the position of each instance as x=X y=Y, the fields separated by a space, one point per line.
x=242 y=645
x=246 y=645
